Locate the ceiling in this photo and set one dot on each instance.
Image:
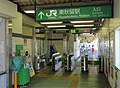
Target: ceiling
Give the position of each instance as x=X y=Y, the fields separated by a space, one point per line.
x=29 y=5
x=46 y=2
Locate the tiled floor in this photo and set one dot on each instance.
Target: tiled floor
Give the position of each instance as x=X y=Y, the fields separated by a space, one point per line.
x=47 y=78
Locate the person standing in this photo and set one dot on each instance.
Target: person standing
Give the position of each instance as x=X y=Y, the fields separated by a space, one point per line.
x=93 y=50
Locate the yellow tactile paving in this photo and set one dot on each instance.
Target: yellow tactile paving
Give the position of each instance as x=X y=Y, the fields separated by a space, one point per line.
x=74 y=79
x=74 y=83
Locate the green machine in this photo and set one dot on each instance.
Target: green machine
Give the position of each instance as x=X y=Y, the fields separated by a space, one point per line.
x=23 y=76
x=18 y=66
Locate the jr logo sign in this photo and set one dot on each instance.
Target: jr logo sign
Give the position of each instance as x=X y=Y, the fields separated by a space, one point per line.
x=52 y=13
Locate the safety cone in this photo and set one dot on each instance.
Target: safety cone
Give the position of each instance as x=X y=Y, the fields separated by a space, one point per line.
x=15 y=80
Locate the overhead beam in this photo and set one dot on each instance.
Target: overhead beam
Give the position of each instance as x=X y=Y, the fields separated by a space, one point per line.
x=95 y=23
x=73 y=27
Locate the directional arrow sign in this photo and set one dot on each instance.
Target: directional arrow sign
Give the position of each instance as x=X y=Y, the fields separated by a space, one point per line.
x=41 y=14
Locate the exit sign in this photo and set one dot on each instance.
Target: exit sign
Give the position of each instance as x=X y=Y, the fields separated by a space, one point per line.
x=74 y=13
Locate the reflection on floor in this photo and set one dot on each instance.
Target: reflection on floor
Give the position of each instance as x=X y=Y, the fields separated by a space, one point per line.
x=47 y=78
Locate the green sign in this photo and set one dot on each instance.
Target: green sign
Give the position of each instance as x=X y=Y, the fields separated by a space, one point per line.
x=60 y=31
x=18 y=49
x=73 y=31
x=79 y=31
x=74 y=13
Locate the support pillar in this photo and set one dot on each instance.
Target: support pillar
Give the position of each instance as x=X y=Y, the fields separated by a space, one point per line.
x=65 y=44
x=4 y=54
x=33 y=46
x=46 y=46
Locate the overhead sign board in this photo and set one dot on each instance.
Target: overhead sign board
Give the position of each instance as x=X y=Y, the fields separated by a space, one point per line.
x=40 y=31
x=73 y=31
x=74 y=13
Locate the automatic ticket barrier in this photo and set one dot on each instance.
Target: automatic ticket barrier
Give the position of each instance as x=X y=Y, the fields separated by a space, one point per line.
x=84 y=63
x=56 y=61
x=101 y=64
x=70 y=62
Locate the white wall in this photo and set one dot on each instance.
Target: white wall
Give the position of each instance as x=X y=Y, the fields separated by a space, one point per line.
x=17 y=24
x=29 y=21
x=58 y=43
x=7 y=9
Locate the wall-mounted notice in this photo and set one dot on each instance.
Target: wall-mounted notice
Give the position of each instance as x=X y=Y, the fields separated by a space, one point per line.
x=1 y=47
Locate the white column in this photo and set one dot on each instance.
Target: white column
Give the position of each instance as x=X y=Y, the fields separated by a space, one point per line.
x=4 y=54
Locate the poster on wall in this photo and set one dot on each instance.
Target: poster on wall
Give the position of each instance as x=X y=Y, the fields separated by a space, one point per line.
x=29 y=60
x=106 y=46
x=101 y=46
x=111 y=47
x=25 y=42
x=1 y=47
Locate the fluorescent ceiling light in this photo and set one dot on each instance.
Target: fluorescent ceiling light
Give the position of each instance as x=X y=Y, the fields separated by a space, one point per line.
x=29 y=11
x=86 y=33
x=90 y=21
x=56 y=26
x=10 y=27
x=9 y=24
x=62 y=29
x=83 y=25
x=102 y=20
x=51 y=22
x=94 y=28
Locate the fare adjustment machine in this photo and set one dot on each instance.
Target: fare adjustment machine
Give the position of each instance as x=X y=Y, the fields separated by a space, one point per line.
x=84 y=63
